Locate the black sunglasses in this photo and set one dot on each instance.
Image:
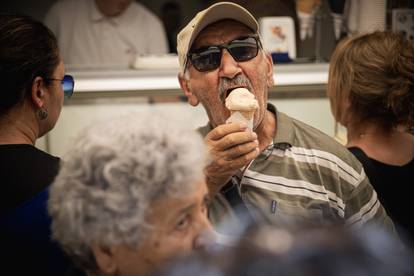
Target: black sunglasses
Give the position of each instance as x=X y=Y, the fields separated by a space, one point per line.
x=209 y=58
x=68 y=84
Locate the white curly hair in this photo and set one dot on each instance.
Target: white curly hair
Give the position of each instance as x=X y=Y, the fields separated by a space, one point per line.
x=113 y=173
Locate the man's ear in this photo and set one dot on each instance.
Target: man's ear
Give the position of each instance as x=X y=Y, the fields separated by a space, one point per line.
x=38 y=92
x=269 y=70
x=192 y=98
x=104 y=259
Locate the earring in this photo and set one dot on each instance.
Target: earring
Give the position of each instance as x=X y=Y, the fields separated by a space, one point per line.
x=42 y=114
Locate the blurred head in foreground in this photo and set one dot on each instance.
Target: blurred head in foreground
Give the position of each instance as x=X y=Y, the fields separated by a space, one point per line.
x=131 y=194
x=302 y=251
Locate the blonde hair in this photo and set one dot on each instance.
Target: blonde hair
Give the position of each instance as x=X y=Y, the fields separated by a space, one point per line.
x=371 y=78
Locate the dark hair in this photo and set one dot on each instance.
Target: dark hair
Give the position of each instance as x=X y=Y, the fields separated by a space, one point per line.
x=169 y=5
x=27 y=49
x=374 y=73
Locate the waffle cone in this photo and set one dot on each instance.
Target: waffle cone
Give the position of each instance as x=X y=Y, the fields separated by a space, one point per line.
x=246 y=114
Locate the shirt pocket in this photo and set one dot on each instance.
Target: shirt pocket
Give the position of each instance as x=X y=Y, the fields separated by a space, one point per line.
x=287 y=212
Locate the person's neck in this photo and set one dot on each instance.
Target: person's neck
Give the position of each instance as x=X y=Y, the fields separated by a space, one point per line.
x=16 y=128
x=266 y=130
x=390 y=147
x=108 y=10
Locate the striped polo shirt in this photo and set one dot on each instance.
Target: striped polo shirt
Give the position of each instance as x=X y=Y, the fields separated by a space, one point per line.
x=303 y=175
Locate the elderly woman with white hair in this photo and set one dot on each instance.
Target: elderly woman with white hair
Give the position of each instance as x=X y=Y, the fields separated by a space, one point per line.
x=130 y=195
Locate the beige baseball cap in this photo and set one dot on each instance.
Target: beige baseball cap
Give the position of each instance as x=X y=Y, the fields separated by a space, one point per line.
x=214 y=13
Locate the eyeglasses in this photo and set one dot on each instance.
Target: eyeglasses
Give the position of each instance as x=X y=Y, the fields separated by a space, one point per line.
x=209 y=58
x=68 y=84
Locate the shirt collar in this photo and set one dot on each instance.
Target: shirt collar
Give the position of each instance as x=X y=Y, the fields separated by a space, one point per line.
x=94 y=14
x=285 y=135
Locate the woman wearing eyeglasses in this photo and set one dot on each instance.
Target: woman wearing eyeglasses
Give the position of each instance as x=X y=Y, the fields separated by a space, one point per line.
x=33 y=88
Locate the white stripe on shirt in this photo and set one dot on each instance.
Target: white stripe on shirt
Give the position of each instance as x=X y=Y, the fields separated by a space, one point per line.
x=367 y=211
x=293 y=187
x=323 y=159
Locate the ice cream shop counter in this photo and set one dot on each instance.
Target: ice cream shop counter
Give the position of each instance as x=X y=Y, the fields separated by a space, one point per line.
x=102 y=94
x=292 y=80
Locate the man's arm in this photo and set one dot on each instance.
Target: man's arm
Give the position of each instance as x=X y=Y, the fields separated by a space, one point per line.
x=231 y=147
x=363 y=207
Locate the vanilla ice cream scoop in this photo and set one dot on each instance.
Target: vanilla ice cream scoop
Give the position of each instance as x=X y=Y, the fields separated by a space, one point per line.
x=242 y=100
x=242 y=105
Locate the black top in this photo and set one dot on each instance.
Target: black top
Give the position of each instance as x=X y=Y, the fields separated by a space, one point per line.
x=25 y=171
x=392 y=184
x=26 y=174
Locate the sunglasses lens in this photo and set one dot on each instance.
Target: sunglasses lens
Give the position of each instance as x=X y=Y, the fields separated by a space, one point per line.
x=244 y=49
x=206 y=59
x=209 y=58
x=68 y=85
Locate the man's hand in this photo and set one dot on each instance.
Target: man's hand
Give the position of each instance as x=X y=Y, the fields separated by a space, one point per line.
x=232 y=146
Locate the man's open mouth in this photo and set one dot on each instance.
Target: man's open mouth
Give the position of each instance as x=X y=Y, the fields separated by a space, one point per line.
x=228 y=91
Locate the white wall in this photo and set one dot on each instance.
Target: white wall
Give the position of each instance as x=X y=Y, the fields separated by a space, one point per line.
x=315 y=112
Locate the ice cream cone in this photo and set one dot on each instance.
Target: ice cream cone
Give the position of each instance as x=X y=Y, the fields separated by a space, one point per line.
x=241 y=116
x=246 y=114
x=242 y=105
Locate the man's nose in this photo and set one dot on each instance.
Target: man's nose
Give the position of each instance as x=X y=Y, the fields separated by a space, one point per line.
x=229 y=68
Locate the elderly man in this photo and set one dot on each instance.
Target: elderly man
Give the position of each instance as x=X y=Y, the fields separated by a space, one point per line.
x=282 y=171
x=130 y=196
